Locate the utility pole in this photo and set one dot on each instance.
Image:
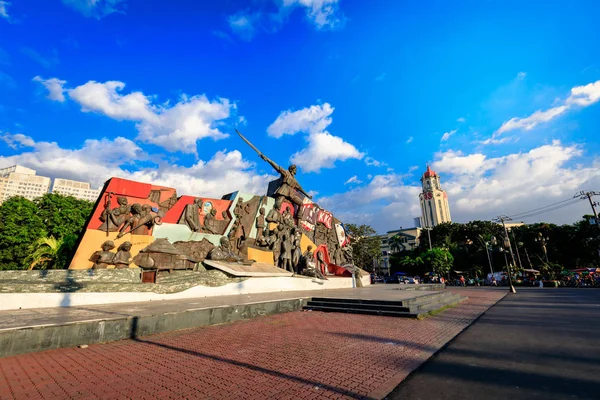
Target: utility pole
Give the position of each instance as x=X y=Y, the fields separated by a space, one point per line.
x=429 y=237
x=583 y=195
x=502 y=219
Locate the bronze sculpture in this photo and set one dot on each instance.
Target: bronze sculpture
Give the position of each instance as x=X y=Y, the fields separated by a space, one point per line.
x=103 y=258
x=190 y=216
x=209 y=222
x=260 y=224
x=274 y=216
x=288 y=186
x=112 y=219
x=123 y=257
x=223 y=252
x=286 y=254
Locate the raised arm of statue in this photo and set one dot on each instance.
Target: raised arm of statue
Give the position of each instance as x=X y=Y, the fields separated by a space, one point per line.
x=273 y=164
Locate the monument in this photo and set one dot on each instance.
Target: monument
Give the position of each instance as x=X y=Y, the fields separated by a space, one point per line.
x=280 y=233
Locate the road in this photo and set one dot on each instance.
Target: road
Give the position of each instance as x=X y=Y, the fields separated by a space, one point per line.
x=536 y=344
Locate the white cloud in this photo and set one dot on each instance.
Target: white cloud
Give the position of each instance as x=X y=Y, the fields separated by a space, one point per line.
x=580 y=96
x=380 y=77
x=521 y=75
x=4 y=9
x=461 y=120
x=447 y=135
x=479 y=188
x=385 y=203
x=353 y=179
x=410 y=139
x=96 y=8
x=244 y=24
x=175 y=128
x=98 y=160
x=585 y=95
x=323 y=151
x=54 y=86
x=533 y=120
x=322 y=14
x=323 y=148
x=312 y=119
x=16 y=140
x=370 y=161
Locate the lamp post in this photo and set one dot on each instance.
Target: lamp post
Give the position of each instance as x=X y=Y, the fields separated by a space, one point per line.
x=543 y=241
x=487 y=251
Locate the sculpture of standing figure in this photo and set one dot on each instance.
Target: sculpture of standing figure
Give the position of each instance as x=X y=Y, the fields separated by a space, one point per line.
x=288 y=185
x=102 y=259
x=321 y=265
x=209 y=221
x=286 y=254
x=123 y=257
x=190 y=216
x=113 y=219
x=274 y=215
x=260 y=224
x=296 y=254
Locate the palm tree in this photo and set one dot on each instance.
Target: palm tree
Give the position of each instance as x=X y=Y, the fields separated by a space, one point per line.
x=396 y=244
x=44 y=252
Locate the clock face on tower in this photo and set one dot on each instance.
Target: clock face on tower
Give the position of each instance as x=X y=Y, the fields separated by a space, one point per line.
x=428 y=195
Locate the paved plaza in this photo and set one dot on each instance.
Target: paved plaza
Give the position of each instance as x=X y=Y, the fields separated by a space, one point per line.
x=293 y=355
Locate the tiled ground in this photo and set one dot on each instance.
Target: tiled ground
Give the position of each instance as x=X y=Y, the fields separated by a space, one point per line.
x=304 y=355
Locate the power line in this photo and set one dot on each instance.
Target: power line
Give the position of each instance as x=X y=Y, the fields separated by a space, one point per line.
x=539 y=211
x=569 y=201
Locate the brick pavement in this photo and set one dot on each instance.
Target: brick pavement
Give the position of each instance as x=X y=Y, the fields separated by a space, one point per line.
x=304 y=355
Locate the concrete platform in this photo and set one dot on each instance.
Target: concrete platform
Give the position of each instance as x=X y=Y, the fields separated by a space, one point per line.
x=30 y=330
x=254 y=269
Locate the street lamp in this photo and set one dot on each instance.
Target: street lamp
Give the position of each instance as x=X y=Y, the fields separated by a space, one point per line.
x=487 y=251
x=543 y=241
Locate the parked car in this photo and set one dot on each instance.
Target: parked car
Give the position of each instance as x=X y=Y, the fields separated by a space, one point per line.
x=377 y=279
x=409 y=280
x=392 y=279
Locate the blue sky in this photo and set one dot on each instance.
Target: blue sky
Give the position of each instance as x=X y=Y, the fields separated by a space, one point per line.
x=499 y=96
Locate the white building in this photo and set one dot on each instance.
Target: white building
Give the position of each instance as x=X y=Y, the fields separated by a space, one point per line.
x=79 y=190
x=434 y=201
x=397 y=241
x=20 y=181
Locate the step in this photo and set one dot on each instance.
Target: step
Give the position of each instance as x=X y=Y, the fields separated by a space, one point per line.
x=433 y=302
x=384 y=313
x=359 y=306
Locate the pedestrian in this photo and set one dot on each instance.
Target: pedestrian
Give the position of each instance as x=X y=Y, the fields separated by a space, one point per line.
x=462 y=281
x=494 y=283
x=541 y=282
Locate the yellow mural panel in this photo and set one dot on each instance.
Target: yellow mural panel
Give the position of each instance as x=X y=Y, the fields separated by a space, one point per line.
x=305 y=242
x=93 y=239
x=260 y=255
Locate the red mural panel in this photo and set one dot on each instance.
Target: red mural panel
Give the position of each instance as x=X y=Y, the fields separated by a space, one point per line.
x=134 y=192
x=173 y=215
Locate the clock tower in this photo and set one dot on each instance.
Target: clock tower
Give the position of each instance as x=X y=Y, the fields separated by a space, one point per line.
x=434 y=201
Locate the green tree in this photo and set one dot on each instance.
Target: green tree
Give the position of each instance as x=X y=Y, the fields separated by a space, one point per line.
x=44 y=253
x=20 y=226
x=366 y=245
x=63 y=215
x=438 y=260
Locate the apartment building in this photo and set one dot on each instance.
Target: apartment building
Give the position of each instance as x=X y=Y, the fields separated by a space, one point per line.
x=79 y=190
x=21 y=181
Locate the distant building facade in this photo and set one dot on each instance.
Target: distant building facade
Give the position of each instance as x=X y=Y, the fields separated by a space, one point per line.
x=79 y=190
x=397 y=241
x=17 y=180
x=20 y=181
x=435 y=209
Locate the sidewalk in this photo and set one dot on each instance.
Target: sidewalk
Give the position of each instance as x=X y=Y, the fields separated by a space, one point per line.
x=285 y=356
x=537 y=344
